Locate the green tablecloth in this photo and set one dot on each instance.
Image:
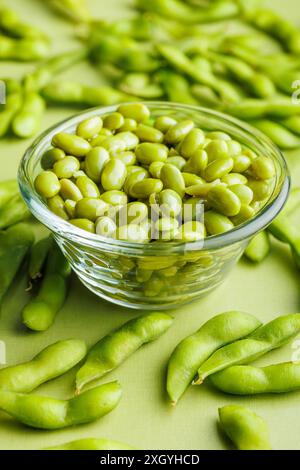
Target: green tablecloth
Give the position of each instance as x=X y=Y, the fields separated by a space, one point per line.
x=144 y=418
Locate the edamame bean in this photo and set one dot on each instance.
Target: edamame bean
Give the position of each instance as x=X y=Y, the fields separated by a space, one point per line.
x=95 y=161
x=258 y=248
x=83 y=224
x=50 y=413
x=50 y=157
x=53 y=361
x=90 y=208
x=261 y=189
x=197 y=162
x=120 y=142
x=155 y=169
x=132 y=233
x=40 y=312
x=241 y=163
x=128 y=158
x=224 y=201
x=87 y=187
x=191 y=143
x=148 y=153
x=218 y=168
x=177 y=161
x=217 y=223
x=249 y=380
x=113 y=175
x=217 y=149
x=191 y=231
x=172 y=178
x=71 y=144
x=203 y=189
x=137 y=111
x=114 y=198
x=133 y=213
x=90 y=127
x=129 y=125
x=47 y=184
x=70 y=207
x=262 y=168
x=164 y=123
x=91 y=444
x=234 y=179
x=268 y=337
x=69 y=190
x=57 y=206
x=194 y=350
x=134 y=177
x=178 y=132
x=149 y=134
x=191 y=179
x=170 y=202
x=245 y=429
x=243 y=192
x=66 y=167
x=116 y=347
x=113 y=121
x=246 y=213
x=192 y=209
x=105 y=227
x=143 y=189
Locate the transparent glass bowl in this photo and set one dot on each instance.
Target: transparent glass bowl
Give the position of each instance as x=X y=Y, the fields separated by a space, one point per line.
x=160 y=275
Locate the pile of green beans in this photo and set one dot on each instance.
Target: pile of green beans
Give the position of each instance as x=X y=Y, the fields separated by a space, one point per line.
x=127 y=177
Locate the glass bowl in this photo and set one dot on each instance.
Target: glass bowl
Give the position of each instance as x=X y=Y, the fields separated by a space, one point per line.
x=158 y=275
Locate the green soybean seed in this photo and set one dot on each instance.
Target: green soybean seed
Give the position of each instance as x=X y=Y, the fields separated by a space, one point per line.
x=192 y=231
x=132 y=233
x=129 y=125
x=149 y=134
x=224 y=201
x=47 y=184
x=71 y=144
x=133 y=178
x=91 y=444
x=197 y=162
x=116 y=347
x=66 y=167
x=113 y=175
x=166 y=224
x=43 y=412
x=164 y=123
x=177 y=161
x=241 y=163
x=232 y=179
x=148 y=153
x=113 y=121
x=137 y=111
x=50 y=363
x=217 y=223
x=194 y=350
x=178 y=132
x=57 y=206
x=246 y=213
x=217 y=149
x=261 y=189
x=170 y=202
x=89 y=208
x=114 y=198
x=192 y=209
x=190 y=179
x=268 y=337
x=218 y=169
x=120 y=142
x=89 y=128
x=243 y=192
x=143 y=189
x=192 y=142
x=69 y=190
x=245 y=429
x=83 y=224
x=203 y=189
x=155 y=169
x=50 y=157
x=133 y=213
x=87 y=187
x=95 y=161
x=128 y=158
x=106 y=227
x=234 y=148
x=262 y=168
x=258 y=248
x=172 y=178
x=69 y=207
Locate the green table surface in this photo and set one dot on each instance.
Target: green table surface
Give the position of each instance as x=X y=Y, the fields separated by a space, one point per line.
x=144 y=418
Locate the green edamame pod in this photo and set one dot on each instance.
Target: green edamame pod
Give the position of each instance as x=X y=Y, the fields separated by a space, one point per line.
x=268 y=337
x=40 y=312
x=76 y=10
x=12 y=25
x=14 y=245
x=38 y=255
x=13 y=212
x=91 y=444
x=45 y=73
x=245 y=429
x=8 y=189
x=249 y=380
x=281 y=136
x=177 y=88
x=258 y=248
x=27 y=121
x=13 y=104
x=114 y=348
x=194 y=350
x=24 y=50
x=50 y=413
x=50 y=363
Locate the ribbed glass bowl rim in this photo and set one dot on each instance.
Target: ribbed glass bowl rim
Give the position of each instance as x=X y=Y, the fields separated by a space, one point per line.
x=238 y=234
